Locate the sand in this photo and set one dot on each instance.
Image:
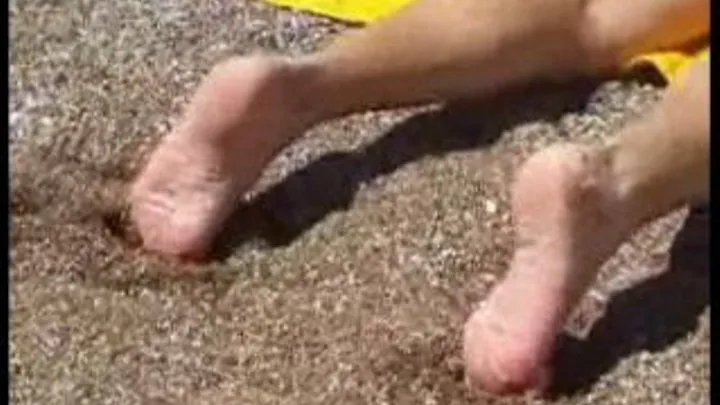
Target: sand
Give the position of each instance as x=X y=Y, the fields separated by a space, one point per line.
x=347 y=275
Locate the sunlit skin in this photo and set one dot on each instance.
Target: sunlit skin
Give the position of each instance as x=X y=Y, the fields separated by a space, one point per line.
x=572 y=204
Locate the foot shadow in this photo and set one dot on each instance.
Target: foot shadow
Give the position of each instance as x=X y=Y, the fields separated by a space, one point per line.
x=280 y=214
x=651 y=316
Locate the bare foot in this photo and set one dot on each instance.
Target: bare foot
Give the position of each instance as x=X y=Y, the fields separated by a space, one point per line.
x=240 y=117
x=569 y=220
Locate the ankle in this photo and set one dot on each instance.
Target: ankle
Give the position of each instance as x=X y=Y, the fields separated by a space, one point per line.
x=635 y=192
x=284 y=86
x=308 y=95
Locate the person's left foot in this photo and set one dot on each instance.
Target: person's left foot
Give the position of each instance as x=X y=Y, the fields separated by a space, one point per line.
x=569 y=219
x=241 y=116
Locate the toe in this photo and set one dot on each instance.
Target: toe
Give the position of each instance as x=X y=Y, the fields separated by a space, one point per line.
x=499 y=364
x=162 y=233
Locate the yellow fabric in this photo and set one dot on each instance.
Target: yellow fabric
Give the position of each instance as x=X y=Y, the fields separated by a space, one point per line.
x=670 y=64
x=357 y=11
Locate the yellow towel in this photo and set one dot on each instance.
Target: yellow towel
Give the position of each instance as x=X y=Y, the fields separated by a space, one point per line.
x=670 y=65
x=356 y=11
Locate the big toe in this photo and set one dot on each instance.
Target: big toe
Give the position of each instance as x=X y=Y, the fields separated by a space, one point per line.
x=164 y=229
x=500 y=364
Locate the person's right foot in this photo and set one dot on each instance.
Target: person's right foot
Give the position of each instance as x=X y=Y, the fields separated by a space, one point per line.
x=240 y=117
x=569 y=219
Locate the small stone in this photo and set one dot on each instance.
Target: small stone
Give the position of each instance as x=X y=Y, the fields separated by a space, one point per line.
x=490 y=206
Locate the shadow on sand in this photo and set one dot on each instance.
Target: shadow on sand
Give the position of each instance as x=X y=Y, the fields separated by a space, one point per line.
x=285 y=211
x=648 y=317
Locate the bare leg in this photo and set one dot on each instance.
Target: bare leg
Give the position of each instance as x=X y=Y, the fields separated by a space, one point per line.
x=249 y=108
x=573 y=206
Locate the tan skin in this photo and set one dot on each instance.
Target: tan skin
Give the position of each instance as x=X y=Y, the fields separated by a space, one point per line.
x=248 y=109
